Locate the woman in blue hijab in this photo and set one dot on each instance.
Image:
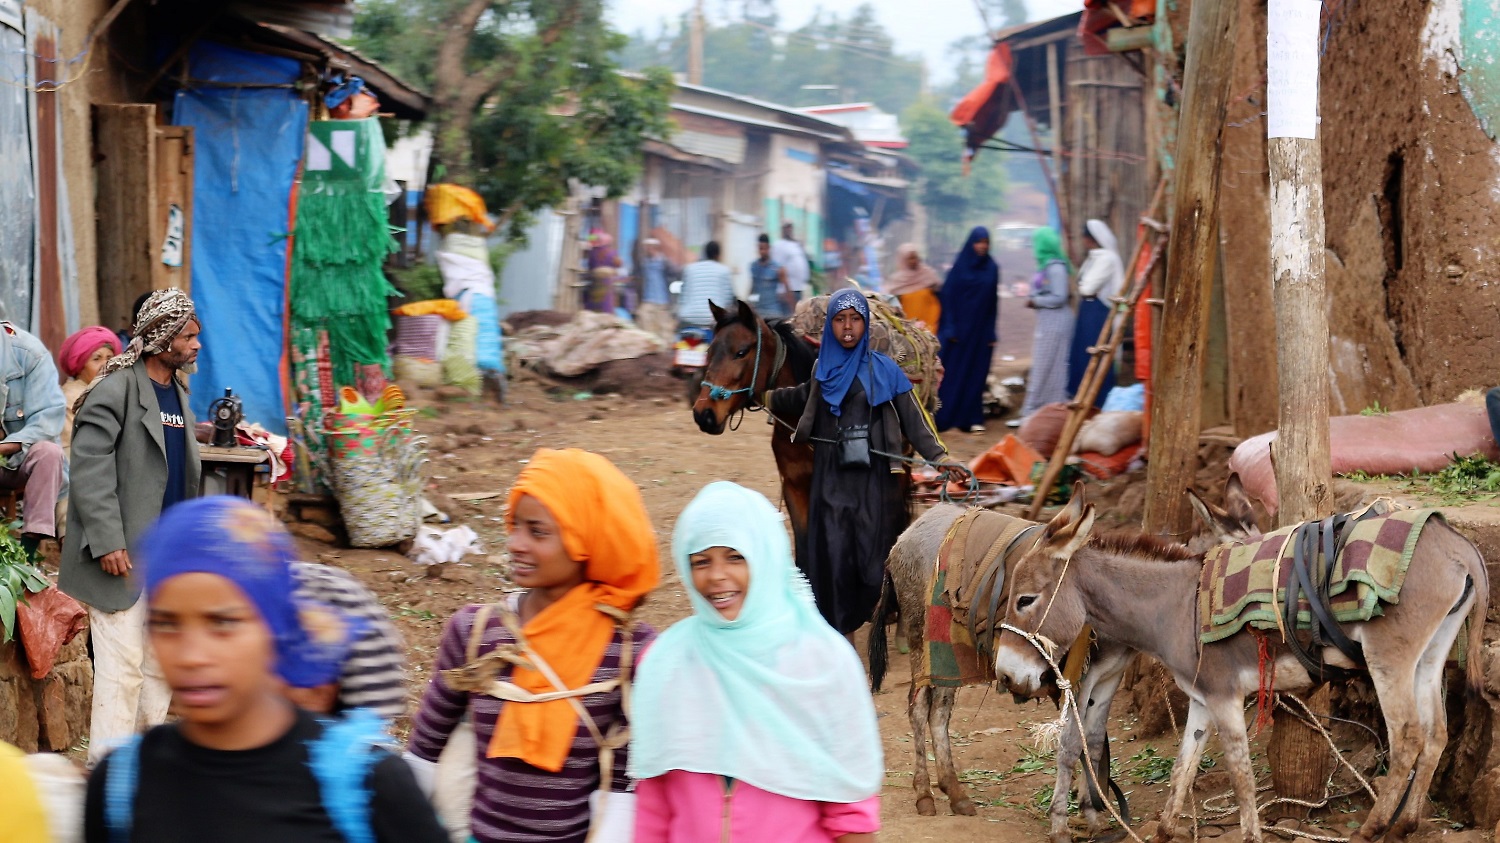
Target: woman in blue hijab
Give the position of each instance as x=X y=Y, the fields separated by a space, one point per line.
x=966 y=333
x=858 y=409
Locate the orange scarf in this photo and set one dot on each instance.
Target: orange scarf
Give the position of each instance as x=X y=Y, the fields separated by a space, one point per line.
x=604 y=525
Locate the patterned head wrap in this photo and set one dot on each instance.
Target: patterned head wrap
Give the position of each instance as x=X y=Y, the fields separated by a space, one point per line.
x=163 y=316
x=237 y=540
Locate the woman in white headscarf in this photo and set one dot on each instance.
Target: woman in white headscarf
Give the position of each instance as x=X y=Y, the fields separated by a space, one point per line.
x=1100 y=282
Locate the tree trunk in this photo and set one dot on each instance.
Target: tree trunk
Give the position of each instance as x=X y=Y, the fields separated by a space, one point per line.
x=1300 y=758
x=451 y=146
x=1191 y=260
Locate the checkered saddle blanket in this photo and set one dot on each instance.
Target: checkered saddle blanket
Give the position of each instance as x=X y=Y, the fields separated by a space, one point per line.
x=1247 y=583
x=967 y=580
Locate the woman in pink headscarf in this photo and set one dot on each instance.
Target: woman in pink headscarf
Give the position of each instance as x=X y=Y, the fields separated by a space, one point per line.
x=82 y=357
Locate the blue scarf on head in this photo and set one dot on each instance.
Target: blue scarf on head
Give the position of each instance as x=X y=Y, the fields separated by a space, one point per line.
x=237 y=540
x=838 y=366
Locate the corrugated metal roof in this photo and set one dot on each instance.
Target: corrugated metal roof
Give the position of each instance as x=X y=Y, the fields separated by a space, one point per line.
x=333 y=18
x=722 y=147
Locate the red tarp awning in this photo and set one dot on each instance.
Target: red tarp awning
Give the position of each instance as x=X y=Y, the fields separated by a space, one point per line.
x=983 y=110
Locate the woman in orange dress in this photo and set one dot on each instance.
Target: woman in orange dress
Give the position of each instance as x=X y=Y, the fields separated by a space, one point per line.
x=916 y=284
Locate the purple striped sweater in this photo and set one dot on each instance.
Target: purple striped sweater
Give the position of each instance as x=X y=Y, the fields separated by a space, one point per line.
x=515 y=802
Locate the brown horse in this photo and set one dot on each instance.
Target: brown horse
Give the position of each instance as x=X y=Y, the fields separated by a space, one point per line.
x=747 y=357
x=1143 y=593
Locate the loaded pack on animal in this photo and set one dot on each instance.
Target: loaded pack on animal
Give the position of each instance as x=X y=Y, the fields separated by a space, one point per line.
x=949 y=572
x=749 y=356
x=1383 y=593
x=950 y=575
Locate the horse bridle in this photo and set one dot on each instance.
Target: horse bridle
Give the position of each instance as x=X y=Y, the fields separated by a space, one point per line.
x=724 y=393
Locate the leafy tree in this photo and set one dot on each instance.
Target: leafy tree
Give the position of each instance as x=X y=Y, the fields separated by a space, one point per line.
x=525 y=94
x=954 y=201
x=751 y=56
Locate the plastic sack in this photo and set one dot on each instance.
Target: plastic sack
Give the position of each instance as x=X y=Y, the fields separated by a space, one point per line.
x=46 y=621
x=458 y=360
x=1123 y=398
x=1108 y=433
x=1424 y=439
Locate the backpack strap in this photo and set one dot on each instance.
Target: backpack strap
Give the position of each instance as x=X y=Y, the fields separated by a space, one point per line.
x=342 y=759
x=120 y=783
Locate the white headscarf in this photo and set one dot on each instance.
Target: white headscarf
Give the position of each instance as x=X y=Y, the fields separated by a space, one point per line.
x=1103 y=274
x=774 y=698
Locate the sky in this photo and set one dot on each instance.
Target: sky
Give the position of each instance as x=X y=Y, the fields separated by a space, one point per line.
x=919 y=26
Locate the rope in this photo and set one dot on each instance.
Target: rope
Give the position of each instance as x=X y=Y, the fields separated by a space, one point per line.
x=724 y=393
x=1047 y=648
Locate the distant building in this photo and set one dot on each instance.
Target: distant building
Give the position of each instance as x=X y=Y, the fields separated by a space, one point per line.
x=871 y=126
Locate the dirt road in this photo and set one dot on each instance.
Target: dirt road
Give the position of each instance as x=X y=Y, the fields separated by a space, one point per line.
x=477 y=451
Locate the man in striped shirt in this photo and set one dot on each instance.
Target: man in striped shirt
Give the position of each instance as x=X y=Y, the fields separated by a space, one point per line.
x=703 y=281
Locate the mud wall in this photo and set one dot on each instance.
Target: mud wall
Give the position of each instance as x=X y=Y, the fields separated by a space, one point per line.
x=1411 y=183
x=50 y=714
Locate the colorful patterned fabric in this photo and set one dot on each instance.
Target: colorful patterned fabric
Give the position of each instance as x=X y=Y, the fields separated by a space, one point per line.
x=310 y=469
x=950 y=657
x=342 y=238
x=420 y=336
x=1246 y=584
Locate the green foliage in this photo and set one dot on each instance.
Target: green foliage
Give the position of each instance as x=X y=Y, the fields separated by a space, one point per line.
x=421 y=282
x=1151 y=767
x=750 y=56
x=541 y=101
x=18 y=577
x=953 y=200
x=1375 y=410
x=1469 y=476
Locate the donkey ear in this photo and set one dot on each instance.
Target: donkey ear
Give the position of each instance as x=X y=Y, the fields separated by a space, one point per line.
x=1067 y=541
x=1237 y=503
x=1069 y=514
x=720 y=314
x=1211 y=516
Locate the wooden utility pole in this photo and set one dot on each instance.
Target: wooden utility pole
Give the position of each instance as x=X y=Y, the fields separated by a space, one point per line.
x=695 y=46
x=1300 y=760
x=1193 y=248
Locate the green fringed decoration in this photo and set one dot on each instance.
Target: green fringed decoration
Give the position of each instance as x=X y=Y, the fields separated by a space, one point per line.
x=341 y=240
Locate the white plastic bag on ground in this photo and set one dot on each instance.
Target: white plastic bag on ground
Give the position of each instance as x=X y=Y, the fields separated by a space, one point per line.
x=436 y=547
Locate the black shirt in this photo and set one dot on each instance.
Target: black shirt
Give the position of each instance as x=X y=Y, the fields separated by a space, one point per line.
x=174 y=436
x=187 y=794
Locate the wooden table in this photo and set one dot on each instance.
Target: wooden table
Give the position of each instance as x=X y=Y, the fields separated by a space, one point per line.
x=229 y=471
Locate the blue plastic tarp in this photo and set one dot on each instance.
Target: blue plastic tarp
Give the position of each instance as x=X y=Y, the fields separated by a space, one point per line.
x=247 y=145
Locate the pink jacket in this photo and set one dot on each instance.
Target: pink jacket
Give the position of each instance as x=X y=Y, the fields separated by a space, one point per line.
x=682 y=807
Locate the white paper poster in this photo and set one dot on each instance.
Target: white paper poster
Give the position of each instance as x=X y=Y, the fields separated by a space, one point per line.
x=1292 y=68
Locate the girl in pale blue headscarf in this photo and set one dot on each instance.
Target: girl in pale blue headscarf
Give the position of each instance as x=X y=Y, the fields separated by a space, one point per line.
x=754 y=701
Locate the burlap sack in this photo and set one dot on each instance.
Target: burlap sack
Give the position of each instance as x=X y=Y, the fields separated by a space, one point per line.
x=913 y=347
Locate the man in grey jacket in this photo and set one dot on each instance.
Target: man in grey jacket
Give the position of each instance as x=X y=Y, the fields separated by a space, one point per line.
x=134 y=455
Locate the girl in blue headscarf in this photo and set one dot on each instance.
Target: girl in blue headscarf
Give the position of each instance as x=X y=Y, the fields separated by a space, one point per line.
x=857 y=410
x=966 y=333
x=752 y=719
x=243 y=760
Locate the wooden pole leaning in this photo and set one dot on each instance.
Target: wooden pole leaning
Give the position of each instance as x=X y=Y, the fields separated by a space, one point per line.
x=1149 y=234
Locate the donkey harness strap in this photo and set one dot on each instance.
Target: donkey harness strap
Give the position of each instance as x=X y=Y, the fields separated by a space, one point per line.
x=1315 y=582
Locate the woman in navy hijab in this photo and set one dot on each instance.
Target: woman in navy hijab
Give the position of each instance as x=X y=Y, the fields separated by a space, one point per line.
x=966 y=333
x=857 y=409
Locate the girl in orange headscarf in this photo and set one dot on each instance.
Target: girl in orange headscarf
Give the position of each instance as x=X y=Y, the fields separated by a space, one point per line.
x=543 y=684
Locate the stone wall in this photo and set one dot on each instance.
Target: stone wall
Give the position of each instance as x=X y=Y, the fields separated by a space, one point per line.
x=50 y=714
